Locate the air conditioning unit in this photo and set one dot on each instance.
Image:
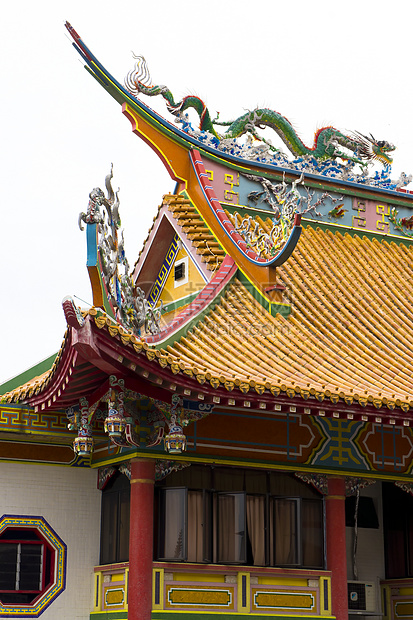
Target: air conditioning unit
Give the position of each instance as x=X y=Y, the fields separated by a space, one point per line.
x=361 y=596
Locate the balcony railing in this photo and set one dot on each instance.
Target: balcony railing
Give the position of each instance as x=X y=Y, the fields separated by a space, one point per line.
x=217 y=588
x=397 y=598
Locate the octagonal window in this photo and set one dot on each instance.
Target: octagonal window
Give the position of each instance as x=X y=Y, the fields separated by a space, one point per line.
x=32 y=565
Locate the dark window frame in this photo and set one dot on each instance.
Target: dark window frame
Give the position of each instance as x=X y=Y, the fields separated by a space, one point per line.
x=162 y=522
x=298 y=529
x=115 y=496
x=209 y=521
x=243 y=543
x=397 y=531
x=19 y=537
x=179 y=270
x=211 y=555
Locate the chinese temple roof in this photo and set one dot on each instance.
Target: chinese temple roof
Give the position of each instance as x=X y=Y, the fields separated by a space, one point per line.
x=348 y=338
x=304 y=288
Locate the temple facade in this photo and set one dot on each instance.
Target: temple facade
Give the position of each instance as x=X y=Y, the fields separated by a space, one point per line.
x=227 y=431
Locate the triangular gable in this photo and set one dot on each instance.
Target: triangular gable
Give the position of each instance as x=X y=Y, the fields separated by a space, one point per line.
x=178 y=238
x=179 y=279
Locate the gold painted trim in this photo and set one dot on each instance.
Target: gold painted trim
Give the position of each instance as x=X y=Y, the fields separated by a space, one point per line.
x=267 y=466
x=160 y=605
x=196 y=597
x=247 y=607
x=126 y=588
x=98 y=591
x=323 y=610
x=143 y=480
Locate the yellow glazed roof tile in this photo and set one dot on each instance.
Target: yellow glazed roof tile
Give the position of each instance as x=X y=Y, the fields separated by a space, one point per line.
x=194 y=227
x=349 y=332
x=349 y=335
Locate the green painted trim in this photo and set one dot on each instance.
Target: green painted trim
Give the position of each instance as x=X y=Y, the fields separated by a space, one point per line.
x=45 y=463
x=184 y=301
x=106 y=304
x=273 y=309
x=112 y=615
x=357 y=232
x=203 y=615
x=243 y=462
x=27 y=375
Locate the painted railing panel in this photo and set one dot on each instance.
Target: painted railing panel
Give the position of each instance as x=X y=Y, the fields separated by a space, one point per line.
x=397 y=599
x=200 y=589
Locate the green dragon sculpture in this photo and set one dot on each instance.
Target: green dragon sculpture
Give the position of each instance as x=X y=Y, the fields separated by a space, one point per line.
x=327 y=141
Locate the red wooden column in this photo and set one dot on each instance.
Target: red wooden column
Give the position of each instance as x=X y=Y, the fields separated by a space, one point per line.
x=336 y=545
x=141 y=539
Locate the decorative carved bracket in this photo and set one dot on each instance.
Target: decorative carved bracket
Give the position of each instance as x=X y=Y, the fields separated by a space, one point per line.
x=320 y=482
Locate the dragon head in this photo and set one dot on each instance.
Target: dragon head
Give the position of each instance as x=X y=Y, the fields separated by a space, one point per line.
x=371 y=149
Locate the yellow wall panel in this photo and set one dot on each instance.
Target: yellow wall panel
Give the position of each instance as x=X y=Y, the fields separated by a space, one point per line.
x=282 y=581
x=199 y=577
x=171 y=293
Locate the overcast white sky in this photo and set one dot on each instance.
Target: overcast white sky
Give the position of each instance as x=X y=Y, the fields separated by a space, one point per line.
x=348 y=64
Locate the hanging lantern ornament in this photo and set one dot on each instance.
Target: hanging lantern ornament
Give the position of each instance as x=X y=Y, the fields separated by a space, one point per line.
x=115 y=423
x=83 y=444
x=175 y=440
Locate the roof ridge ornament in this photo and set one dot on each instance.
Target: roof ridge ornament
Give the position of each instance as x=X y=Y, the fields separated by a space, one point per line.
x=329 y=143
x=113 y=290
x=342 y=156
x=74 y=317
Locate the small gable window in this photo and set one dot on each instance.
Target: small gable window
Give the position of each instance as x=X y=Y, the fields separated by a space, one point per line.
x=181 y=272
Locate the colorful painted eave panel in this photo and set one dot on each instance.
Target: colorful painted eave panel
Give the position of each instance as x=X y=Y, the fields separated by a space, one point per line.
x=288 y=437
x=228 y=228
x=297 y=441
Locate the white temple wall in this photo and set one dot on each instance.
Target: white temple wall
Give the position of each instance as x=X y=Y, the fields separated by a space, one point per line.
x=68 y=499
